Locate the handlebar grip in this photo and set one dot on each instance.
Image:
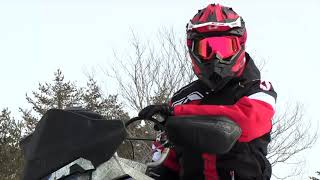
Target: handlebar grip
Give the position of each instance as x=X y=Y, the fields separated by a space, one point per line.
x=163 y=157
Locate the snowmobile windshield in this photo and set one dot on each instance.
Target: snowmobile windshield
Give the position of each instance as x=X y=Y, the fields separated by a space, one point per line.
x=62 y=136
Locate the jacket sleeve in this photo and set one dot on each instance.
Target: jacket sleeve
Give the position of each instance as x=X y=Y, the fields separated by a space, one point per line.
x=253 y=113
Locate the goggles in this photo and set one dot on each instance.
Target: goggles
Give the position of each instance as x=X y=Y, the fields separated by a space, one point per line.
x=224 y=47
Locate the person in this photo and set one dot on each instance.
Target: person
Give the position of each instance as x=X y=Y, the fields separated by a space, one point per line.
x=228 y=84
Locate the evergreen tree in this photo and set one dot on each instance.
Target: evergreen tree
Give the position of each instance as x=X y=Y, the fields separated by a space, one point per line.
x=11 y=160
x=94 y=100
x=58 y=94
x=61 y=94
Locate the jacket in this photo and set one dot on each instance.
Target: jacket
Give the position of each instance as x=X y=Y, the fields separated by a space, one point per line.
x=248 y=101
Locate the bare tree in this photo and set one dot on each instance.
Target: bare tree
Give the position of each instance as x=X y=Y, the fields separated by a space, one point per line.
x=150 y=76
x=156 y=70
x=315 y=178
x=152 y=73
x=291 y=135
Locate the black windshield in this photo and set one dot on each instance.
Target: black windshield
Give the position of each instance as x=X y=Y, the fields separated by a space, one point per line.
x=62 y=136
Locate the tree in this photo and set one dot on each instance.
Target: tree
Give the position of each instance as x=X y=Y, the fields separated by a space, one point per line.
x=10 y=153
x=291 y=135
x=314 y=178
x=155 y=71
x=150 y=76
x=94 y=100
x=61 y=94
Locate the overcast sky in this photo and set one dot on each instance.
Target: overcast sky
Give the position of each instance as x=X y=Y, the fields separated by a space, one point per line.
x=38 y=37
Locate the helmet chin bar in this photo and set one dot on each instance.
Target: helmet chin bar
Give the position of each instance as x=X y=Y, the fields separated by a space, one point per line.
x=214 y=74
x=211 y=78
x=213 y=83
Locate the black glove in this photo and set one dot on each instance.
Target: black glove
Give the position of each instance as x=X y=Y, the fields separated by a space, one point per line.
x=149 y=111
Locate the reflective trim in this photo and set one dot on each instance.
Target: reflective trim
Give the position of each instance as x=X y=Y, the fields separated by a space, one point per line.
x=265 y=98
x=236 y=23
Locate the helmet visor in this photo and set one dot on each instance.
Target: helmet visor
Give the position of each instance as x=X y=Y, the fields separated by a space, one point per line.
x=224 y=47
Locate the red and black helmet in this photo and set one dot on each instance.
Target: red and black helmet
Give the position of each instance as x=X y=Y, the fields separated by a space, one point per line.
x=216 y=38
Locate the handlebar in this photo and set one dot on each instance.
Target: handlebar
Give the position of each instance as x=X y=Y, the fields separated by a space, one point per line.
x=165 y=151
x=223 y=130
x=132 y=120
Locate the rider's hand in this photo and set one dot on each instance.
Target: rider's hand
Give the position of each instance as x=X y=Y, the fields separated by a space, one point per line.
x=149 y=111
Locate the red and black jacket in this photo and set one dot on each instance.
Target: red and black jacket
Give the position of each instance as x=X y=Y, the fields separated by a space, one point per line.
x=249 y=102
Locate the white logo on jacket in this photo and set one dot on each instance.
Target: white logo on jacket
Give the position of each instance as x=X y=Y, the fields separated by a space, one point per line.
x=265 y=85
x=191 y=97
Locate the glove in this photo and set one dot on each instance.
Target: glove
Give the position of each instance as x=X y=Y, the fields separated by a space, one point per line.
x=149 y=111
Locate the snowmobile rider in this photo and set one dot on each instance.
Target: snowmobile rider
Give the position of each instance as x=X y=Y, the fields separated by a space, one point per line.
x=228 y=84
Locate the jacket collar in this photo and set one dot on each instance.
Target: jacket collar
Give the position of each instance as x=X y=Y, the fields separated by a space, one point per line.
x=251 y=71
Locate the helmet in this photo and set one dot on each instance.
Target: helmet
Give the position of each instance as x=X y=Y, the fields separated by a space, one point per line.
x=216 y=38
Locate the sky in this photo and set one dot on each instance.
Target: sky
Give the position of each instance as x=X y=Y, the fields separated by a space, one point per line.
x=38 y=37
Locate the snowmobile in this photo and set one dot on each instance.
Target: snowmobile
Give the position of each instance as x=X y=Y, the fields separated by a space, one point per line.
x=76 y=144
